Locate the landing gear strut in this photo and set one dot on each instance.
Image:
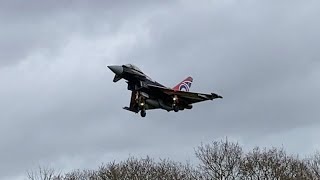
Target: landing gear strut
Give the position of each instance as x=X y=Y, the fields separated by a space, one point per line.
x=140 y=102
x=175 y=102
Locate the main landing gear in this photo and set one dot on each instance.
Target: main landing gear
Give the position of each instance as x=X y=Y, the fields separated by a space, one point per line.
x=175 y=102
x=140 y=101
x=176 y=108
x=143 y=113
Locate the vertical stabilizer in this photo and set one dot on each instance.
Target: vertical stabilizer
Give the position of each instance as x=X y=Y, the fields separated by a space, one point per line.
x=185 y=85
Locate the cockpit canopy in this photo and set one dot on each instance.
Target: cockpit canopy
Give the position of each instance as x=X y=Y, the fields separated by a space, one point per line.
x=137 y=69
x=133 y=67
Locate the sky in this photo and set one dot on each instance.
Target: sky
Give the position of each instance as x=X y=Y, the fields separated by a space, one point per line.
x=60 y=108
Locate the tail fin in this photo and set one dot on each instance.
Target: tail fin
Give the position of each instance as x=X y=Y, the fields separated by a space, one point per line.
x=185 y=85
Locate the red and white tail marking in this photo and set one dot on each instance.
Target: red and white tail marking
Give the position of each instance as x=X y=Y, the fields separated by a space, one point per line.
x=185 y=85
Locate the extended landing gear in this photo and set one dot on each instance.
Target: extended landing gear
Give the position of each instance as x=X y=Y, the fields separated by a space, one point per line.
x=176 y=108
x=143 y=113
x=175 y=102
x=140 y=101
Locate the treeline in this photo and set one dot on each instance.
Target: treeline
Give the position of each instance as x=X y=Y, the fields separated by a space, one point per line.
x=219 y=160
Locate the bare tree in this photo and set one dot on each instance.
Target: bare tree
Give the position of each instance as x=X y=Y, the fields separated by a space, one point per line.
x=80 y=175
x=112 y=171
x=132 y=168
x=313 y=164
x=263 y=164
x=272 y=164
x=146 y=169
x=167 y=169
x=42 y=174
x=220 y=160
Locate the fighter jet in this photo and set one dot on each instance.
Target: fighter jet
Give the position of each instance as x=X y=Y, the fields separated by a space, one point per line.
x=148 y=94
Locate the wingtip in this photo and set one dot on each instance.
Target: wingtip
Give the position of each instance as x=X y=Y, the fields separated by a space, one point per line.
x=216 y=96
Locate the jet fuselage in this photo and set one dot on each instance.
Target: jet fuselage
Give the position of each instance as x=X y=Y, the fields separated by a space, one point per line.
x=138 y=83
x=148 y=94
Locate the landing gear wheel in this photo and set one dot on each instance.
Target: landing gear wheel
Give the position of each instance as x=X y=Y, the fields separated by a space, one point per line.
x=143 y=113
x=175 y=108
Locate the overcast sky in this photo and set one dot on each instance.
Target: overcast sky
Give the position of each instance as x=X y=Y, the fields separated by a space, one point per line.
x=60 y=108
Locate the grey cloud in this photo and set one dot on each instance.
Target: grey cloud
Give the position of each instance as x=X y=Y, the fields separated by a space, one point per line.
x=45 y=27
x=250 y=53
x=261 y=56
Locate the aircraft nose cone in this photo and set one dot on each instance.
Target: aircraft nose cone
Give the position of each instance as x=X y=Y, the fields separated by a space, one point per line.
x=116 y=69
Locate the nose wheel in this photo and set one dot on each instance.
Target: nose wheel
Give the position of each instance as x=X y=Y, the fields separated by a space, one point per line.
x=143 y=113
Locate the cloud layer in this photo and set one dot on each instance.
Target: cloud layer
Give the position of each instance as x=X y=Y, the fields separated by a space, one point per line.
x=60 y=107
